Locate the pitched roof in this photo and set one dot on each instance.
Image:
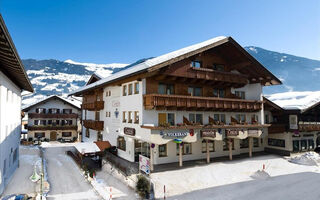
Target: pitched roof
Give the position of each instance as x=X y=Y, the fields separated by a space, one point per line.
x=10 y=63
x=172 y=57
x=73 y=102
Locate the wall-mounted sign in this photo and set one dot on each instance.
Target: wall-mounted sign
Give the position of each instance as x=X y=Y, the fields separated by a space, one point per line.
x=177 y=134
x=115 y=103
x=208 y=133
x=232 y=132
x=129 y=131
x=293 y=121
x=116 y=113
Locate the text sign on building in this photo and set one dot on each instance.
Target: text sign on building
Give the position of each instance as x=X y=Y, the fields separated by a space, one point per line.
x=232 y=132
x=144 y=164
x=208 y=133
x=178 y=134
x=129 y=131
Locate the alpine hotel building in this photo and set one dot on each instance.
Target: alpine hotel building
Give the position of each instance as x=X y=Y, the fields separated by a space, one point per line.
x=199 y=102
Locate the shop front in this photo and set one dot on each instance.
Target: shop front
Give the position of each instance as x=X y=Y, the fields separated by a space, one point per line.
x=303 y=142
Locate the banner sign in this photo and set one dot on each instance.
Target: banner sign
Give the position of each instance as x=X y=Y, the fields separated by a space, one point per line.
x=179 y=134
x=232 y=132
x=144 y=164
x=129 y=131
x=208 y=133
x=253 y=132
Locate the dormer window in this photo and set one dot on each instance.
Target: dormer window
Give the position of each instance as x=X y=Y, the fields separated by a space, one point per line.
x=196 y=64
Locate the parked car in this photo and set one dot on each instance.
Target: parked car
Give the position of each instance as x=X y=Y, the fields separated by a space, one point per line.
x=16 y=197
x=317 y=149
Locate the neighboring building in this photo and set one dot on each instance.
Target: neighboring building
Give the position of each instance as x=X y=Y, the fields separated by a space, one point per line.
x=54 y=118
x=13 y=79
x=207 y=97
x=292 y=130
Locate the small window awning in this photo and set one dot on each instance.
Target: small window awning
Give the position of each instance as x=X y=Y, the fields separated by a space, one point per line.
x=102 y=145
x=87 y=148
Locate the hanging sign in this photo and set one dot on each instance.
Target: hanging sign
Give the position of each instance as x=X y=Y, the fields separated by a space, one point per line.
x=208 y=133
x=232 y=132
x=144 y=164
x=129 y=131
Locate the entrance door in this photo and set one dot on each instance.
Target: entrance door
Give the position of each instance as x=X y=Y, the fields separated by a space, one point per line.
x=53 y=136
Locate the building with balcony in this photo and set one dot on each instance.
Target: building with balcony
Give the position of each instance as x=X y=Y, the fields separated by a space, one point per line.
x=199 y=102
x=54 y=118
x=292 y=129
x=13 y=80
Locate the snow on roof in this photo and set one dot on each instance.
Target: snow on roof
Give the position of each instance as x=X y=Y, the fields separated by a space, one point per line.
x=73 y=101
x=87 y=147
x=295 y=100
x=150 y=63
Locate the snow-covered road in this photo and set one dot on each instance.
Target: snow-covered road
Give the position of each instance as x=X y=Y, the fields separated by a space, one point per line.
x=65 y=178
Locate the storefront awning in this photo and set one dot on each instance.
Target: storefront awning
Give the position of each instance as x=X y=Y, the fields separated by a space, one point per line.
x=87 y=148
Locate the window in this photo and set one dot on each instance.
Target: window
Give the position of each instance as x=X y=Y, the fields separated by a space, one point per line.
x=136 y=88
x=192 y=117
x=244 y=143
x=49 y=122
x=254 y=119
x=240 y=94
x=87 y=133
x=136 y=117
x=36 y=122
x=199 y=118
x=218 y=67
x=218 y=93
x=124 y=119
x=186 y=148
x=56 y=122
x=129 y=117
x=163 y=150
x=99 y=136
x=256 y=142
x=219 y=118
x=43 y=122
x=226 y=144
x=108 y=93
x=39 y=134
x=97 y=115
x=196 y=64
x=310 y=144
x=67 y=111
x=54 y=111
x=171 y=119
x=241 y=118
x=15 y=155
x=130 y=89
x=204 y=146
x=121 y=143
x=276 y=142
x=195 y=91
x=267 y=120
x=124 y=90
x=165 y=88
x=66 y=134
x=70 y=122
x=41 y=110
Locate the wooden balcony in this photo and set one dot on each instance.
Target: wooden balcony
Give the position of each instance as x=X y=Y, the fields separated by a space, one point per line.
x=96 y=105
x=50 y=115
x=277 y=128
x=50 y=127
x=92 y=124
x=308 y=127
x=181 y=102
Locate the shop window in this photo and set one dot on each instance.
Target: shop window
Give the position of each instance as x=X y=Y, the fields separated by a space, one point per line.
x=99 y=136
x=39 y=134
x=240 y=94
x=124 y=119
x=66 y=134
x=244 y=143
x=256 y=142
x=87 y=133
x=218 y=67
x=121 y=143
x=136 y=117
x=195 y=91
x=136 y=88
x=129 y=117
x=218 y=93
x=130 y=89
x=276 y=142
x=225 y=144
x=196 y=64
x=124 y=90
x=304 y=146
x=165 y=88
x=204 y=146
x=310 y=144
x=186 y=148
x=163 y=150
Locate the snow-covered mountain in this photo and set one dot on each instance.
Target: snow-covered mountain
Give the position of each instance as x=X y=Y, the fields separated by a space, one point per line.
x=60 y=77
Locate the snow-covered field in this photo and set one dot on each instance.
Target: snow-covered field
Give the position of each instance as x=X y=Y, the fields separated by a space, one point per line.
x=235 y=180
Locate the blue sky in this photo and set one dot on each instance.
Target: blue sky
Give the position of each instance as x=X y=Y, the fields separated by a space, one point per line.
x=125 y=31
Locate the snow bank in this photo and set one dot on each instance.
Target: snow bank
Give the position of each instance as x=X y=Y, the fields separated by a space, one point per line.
x=309 y=158
x=260 y=174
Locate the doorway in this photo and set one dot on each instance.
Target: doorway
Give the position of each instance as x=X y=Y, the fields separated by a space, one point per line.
x=53 y=136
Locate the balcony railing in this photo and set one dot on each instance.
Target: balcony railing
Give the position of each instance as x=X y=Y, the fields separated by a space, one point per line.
x=52 y=115
x=226 y=126
x=311 y=126
x=92 y=124
x=50 y=127
x=160 y=101
x=277 y=128
x=96 y=105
